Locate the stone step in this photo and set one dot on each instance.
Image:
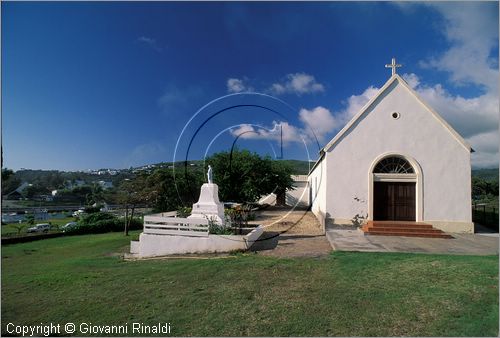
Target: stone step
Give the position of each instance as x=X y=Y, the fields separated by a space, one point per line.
x=406 y=229
x=401 y=228
x=389 y=224
x=409 y=234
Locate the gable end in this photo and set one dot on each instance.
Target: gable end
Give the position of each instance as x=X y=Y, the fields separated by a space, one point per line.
x=352 y=123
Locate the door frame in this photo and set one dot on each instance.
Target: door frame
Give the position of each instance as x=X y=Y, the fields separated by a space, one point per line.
x=416 y=177
x=393 y=213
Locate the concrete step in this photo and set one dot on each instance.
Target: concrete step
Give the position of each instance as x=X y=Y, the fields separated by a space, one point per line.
x=391 y=224
x=393 y=229
x=401 y=228
x=409 y=234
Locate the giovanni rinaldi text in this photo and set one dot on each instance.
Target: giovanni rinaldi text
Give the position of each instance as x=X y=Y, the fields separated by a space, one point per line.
x=50 y=329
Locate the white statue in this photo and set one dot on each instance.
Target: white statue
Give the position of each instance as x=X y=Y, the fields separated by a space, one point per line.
x=209 y=174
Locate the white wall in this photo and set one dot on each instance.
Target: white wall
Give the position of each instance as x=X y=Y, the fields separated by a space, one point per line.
x=418 y=134
x=317 y=185
x=162 y=245
x=299 y=196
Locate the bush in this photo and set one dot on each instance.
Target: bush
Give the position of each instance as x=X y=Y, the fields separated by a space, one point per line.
x=92 y=210
x=218 y=229
x=184 y=212
x=101 y=222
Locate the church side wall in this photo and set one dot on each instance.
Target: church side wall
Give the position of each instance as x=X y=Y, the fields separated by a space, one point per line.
x=317 y=185
x=444 y=162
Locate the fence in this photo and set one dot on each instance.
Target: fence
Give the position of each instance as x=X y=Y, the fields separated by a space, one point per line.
x=169 y=224
x=485 y=215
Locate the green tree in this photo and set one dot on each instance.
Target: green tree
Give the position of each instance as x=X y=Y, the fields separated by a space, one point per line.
x=134 y=192
x=482 y=187
x=81 y=193
x=243 y=176
x=176 y=191
x=6 y=174
x=30 y=219
x=96 y=195
x=36 y=189
x=10 y=181
x=19 y=227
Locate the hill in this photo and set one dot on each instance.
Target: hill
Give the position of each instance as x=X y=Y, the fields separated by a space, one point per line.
x=299 y=167
x=486 y=174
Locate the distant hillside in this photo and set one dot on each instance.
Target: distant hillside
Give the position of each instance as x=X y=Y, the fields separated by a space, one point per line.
x=486 y=174
x=299 y=167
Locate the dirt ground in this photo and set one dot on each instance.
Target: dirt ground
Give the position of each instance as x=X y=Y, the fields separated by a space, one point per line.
x=290 y=233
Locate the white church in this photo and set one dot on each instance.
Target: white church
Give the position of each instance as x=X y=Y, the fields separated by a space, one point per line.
x=397 y=161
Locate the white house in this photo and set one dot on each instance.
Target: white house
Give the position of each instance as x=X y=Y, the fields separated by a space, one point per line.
x=396 y=160
x=105 y=184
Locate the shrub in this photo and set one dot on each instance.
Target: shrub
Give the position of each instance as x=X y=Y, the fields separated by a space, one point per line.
x=92 y=210
x=215 y=228
x=184 y=212
x=100 y=222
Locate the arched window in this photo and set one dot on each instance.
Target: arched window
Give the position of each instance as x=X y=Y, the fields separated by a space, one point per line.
x=393 y=165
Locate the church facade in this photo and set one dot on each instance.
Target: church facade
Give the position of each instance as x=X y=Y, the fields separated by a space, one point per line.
x=396 y=160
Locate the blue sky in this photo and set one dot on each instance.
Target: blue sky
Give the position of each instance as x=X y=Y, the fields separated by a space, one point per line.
x=96 y=85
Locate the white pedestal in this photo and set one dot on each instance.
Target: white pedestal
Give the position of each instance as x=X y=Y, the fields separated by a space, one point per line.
x=208 y=205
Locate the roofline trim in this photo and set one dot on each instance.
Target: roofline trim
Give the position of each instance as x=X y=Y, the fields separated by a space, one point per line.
x=363 y=110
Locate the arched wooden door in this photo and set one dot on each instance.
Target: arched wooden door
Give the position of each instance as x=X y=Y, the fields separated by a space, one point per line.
x=394 y=201
x=394 y=192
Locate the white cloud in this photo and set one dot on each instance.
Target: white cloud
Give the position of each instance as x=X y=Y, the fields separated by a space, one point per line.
x=317 y=123
x=356 y=102
x=278 y=89
x=320 y=120
x=237 y=85
x=472 y=31
x=476 y=118
x=253 y=132
x=411 y=79
x=298 y=83
x=469 y=116
x=486 y=149
x=150 y=42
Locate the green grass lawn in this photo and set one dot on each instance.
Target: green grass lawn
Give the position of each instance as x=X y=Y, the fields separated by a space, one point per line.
x=81 y=279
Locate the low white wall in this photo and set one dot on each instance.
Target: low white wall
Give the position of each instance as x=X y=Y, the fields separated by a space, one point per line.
x=268 y=199
x=163 y=245
x=299 y=196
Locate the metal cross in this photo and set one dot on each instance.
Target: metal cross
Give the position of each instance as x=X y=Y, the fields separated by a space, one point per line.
x=393 y=65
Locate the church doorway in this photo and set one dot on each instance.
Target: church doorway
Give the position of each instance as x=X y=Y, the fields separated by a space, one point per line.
x=394 y=201
x=394 y=190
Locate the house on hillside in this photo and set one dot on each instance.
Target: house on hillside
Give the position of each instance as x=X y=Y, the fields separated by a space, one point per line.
x=397 y=160
x=105 y=184
x=74 y=184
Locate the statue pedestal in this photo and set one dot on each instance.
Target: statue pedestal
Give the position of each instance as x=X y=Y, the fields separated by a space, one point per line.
x=208 y=205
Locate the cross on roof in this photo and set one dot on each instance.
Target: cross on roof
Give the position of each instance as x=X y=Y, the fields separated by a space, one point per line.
x=393 y=65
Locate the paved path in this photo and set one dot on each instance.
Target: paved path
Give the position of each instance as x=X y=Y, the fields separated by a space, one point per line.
x=466 y=244
x=299 y=234
x=291 y=234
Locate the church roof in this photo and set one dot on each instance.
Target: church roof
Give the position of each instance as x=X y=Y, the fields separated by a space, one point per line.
x=393 y=78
